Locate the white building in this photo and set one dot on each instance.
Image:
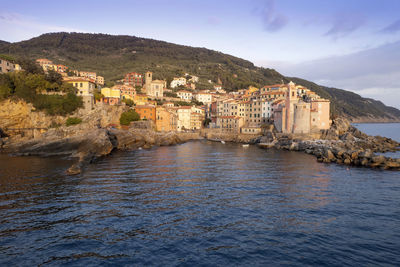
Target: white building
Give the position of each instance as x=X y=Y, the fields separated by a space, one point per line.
x=178 y=82
x=204 y=97
x=184 y=113
x=266 y=111
x=185 y=95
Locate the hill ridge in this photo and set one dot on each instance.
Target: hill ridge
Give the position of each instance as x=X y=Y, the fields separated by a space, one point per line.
x=114 y=55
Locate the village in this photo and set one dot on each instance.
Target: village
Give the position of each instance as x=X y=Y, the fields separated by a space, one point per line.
x=180 y=106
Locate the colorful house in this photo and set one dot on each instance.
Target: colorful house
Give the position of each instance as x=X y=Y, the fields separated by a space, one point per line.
x=111 y=96
x=166 y=119
x=140 y=99
x=133 y=79
x=85 y=88
x=146 y=112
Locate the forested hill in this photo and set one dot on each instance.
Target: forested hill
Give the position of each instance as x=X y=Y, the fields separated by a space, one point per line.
x=114 y=55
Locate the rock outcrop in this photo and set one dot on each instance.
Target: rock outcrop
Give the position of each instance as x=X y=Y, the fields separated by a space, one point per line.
x=342 y=144
x=20 y=121
x=87 y=144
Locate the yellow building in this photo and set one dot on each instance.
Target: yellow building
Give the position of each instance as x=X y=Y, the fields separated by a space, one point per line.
x=196 y=121
x=251 y=90
x=111 y=96
x=108 y=92
x=140 y=99
x=85 y=88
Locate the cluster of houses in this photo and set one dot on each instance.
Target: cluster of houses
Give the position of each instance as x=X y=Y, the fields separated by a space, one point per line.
x=291 y=108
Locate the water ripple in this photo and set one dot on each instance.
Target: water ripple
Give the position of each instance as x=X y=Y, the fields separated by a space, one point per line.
x=199 y=203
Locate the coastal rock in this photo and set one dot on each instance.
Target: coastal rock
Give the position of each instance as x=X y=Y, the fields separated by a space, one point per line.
x=330 y=156
x=347 y=161
x=392 y=165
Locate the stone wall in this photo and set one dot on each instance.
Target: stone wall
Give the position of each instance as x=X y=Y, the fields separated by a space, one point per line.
x=218 y=135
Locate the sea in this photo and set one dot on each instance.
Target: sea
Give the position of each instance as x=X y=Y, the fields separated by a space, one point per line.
x=200 y=203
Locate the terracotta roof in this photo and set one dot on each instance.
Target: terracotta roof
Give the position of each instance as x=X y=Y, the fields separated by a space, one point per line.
x=78 y=79
x=144 y=106
x=273 y=93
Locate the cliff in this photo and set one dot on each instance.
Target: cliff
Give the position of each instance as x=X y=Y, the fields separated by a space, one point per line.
x=20 y=121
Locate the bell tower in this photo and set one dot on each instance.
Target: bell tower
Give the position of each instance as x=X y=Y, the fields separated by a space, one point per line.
x=148 y=80
x=290 y=101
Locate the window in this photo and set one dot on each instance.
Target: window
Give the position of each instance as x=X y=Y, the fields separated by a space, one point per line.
x=81 y=84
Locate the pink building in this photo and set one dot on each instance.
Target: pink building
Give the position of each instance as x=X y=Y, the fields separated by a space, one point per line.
x=293 y=115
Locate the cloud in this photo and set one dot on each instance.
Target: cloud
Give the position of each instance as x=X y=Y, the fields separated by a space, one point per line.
x=16 y=27
x=345 y=24
x=272 y=21
x=371 y=73
x=392 y=28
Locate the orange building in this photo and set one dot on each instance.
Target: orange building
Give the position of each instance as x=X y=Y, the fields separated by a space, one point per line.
x=166 y=119
x=146 y=112
x=62 y=68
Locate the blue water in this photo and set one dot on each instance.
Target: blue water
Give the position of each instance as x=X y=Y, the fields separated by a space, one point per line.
x=391 y=130
x=199 y=203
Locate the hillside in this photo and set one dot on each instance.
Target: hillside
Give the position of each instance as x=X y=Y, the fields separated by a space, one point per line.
x=112 y=56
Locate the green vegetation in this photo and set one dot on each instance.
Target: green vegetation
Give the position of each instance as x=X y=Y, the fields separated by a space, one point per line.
x=169 y=94
x=98 y=96
x=113 y=56
x=73 y=121
x=206 y=122
x=7 y=57
x=128 y=102
x=128 y=116
x=43 y=91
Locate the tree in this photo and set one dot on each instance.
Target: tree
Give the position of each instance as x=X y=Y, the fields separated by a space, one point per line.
x=138 y=89
x=128 y=116
x=54 y=77
x=206 y=122
x=169 y=94
x=30 y=66
x=98 y=96
x=128 y=102
x=6 y=86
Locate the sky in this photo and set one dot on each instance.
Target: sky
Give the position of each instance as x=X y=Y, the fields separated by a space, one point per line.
x=348 y=44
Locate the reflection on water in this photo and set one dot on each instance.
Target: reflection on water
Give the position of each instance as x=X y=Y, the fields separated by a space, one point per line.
x=200 y=202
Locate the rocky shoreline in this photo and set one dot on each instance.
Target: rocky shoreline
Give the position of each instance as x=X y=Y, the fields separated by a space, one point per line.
x=341 y=144
x=88 y=146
